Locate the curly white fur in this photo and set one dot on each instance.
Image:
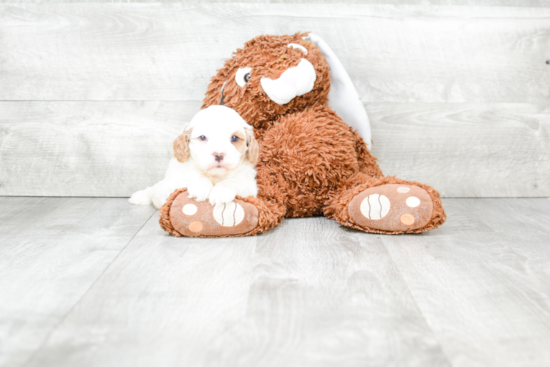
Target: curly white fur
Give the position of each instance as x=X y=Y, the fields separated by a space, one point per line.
x=217 y=166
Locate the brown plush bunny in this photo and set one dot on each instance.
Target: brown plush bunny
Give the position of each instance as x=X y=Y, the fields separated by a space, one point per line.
x=311 y=162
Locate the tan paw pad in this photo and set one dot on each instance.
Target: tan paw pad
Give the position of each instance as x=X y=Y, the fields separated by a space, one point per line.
x=228 y=214
x=375 y=206
x=412 y=201
x=392 y=208
x=194 y=218
x=407 y=219
x=195 y=226
x=189 y=209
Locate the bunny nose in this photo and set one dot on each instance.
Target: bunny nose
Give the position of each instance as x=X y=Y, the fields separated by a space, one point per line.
x=218 y=157
x=295 y=81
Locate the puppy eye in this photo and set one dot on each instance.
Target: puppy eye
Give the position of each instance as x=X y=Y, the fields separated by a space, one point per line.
x=202 y=137
x=234 y=138
x=243 y=76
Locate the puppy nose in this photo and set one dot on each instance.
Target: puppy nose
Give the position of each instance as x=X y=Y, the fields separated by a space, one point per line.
x=218 y=156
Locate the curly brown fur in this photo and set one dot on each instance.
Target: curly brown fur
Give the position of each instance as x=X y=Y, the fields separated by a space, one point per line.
x=269 y=57
x=367 y=162
x=164 y=219
x=310 y=162
x=310 y=153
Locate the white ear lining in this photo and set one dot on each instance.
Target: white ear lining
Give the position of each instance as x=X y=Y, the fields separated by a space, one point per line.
x=343 y=97
x=299 y=47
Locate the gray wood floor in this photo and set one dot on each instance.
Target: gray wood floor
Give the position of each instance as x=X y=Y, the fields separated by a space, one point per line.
x=96 y=282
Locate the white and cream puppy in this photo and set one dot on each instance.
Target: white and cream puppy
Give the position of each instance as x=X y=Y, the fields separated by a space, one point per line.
x=214 y=159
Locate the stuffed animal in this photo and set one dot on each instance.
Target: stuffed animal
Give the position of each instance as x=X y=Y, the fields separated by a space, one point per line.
x=294 y=91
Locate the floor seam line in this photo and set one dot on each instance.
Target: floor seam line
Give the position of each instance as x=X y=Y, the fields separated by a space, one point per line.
x=85 y=293
x=416 y=303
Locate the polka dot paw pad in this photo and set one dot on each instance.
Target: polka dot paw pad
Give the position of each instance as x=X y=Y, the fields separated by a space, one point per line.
x=192 y=218
x=392 y=208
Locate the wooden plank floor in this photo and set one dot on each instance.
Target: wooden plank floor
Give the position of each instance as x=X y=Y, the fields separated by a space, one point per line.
x=96 y=282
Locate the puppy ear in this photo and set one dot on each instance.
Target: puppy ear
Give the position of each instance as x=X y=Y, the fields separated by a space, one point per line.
x=253 y=146
x=181 y=145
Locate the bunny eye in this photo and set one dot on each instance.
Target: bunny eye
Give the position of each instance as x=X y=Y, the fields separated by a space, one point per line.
x=242 y=76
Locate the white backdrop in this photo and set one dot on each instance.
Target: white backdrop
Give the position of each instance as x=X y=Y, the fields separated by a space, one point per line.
x=92 y=95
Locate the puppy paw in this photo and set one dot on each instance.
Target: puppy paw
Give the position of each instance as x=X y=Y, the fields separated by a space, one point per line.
x=199 y=192
x=221 y=195
x=140 y=198
x=159 y=200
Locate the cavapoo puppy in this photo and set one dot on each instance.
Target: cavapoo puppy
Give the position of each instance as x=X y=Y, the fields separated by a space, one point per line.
x=214 y=159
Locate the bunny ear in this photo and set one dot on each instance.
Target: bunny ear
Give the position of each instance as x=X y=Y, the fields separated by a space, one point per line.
x=343 y=97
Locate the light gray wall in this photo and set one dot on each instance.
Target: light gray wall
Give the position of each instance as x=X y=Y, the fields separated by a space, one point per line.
x=92 y=94
x=515 y=3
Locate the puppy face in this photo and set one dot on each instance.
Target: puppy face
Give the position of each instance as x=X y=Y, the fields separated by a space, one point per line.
x=217 y=140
